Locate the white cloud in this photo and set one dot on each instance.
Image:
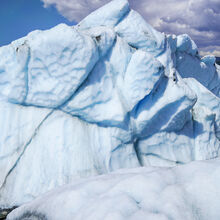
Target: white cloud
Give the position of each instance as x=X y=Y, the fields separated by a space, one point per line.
x=213 y=50
x=198 y=18
x=75 y=10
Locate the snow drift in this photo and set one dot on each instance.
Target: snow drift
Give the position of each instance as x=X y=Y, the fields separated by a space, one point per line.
x=184 y=192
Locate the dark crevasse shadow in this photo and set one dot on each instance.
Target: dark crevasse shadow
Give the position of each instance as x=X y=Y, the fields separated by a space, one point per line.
x=151 y=99
x=191 y=129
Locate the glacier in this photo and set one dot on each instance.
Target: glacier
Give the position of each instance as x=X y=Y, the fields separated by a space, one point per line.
x=109 y=93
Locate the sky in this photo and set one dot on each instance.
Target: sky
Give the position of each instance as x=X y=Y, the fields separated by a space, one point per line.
x=198 y=18
x=19 y=17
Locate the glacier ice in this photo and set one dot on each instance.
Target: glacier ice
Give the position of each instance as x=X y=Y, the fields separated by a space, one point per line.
x=63 y=163
x=143 y=72
x=18 y=126
x=139 y=34
x=108 y=93
x=45 y=65
x=185 y=44
x=184 y=192
x=109 y=15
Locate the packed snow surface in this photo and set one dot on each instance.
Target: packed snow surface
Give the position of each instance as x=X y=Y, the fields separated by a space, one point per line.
x=108 y=93
x=184 y=192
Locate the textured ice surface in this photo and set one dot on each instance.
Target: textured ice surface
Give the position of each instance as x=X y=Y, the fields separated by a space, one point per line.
x=184 y=192
x=203 y=70
x=185 y=44
x=143 y=72
x=19 y=125
x=105 y=94
x=68 y=148
x=109 y=15
x=45 y=63
x=139 y=34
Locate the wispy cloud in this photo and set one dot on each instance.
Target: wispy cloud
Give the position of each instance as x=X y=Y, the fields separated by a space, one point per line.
x=198 y=18
x=75 y=10
x=215 y=50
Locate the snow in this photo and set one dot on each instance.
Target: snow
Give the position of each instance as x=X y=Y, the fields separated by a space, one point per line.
x=184 y=192
x=106 y=94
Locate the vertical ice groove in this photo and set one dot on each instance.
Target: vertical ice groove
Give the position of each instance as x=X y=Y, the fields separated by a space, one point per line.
x=26 y=73
x=136 y=149
x=25 y=147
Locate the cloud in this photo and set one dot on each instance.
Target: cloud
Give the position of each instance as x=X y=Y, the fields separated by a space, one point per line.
x=75 y=10
x=198 y=18
x=214 y=50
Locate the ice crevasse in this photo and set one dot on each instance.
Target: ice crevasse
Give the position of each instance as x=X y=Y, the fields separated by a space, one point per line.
x=106 y=94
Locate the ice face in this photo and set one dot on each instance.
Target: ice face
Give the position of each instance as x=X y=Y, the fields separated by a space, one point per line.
x=19 y=126
x=13 y=72
x=105 y=94
x=45 y=65
x=109 y=15
x=184 y=192
x=143 y=72
x=139 y=34
x=189 y=64
x=185 y=44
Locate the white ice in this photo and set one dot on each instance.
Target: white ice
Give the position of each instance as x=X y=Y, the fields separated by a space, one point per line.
x=108 y=93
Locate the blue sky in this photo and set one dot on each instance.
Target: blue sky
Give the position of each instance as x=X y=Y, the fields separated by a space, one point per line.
x=198 y=18
x=19 y=17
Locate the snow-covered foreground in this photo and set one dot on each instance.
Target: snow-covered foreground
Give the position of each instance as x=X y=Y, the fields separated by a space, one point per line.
x=184 y=192
x=106 y=94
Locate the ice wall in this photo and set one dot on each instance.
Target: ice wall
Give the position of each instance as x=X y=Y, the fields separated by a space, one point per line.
x=105 y=94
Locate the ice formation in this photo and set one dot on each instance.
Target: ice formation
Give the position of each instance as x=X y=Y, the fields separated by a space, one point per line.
x=108 y=93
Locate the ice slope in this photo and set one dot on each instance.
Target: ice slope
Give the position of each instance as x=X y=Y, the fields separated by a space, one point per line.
x=18 y=126
x=68 y=149
x=108 y=93
x=184 y=192
x=201 y=132
x=189 y=64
